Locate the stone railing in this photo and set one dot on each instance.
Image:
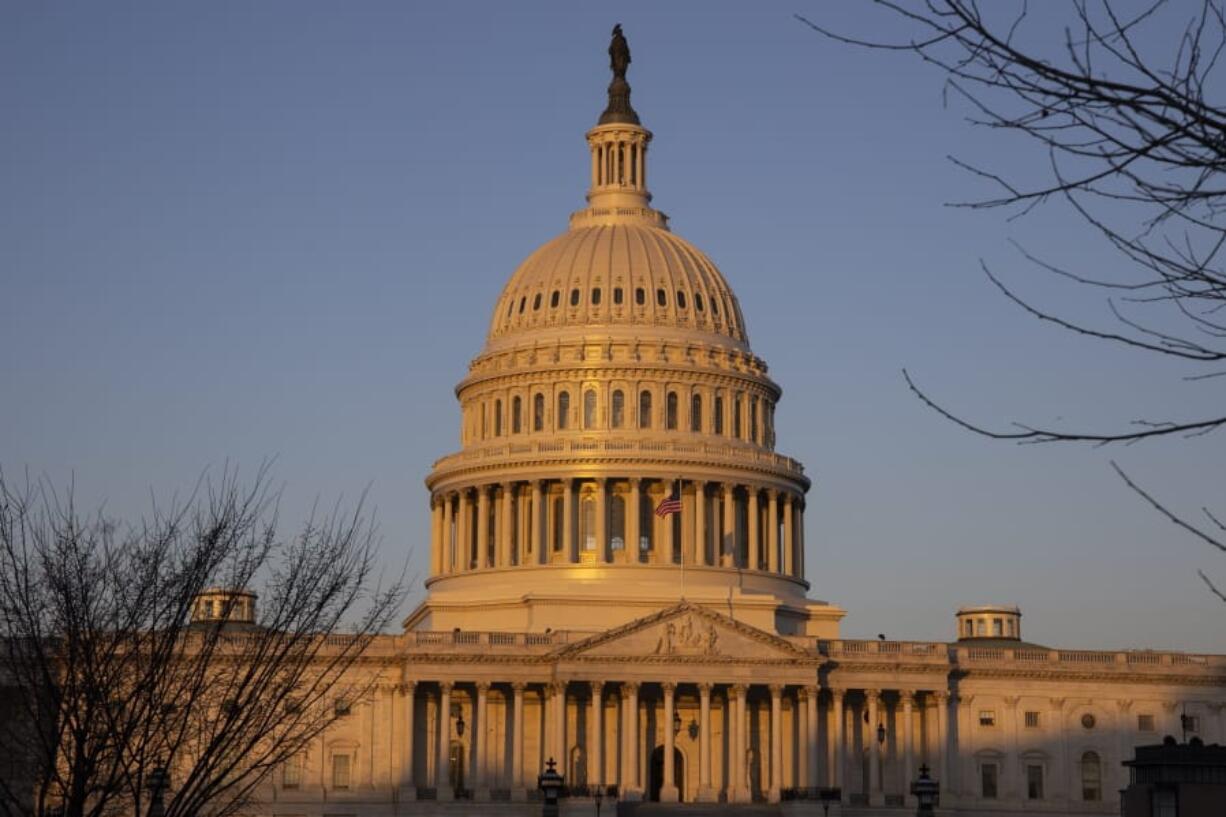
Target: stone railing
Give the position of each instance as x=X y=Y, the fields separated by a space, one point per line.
x=619 y=447
x=476 y=641
x=925 y=651
x=1085 y=659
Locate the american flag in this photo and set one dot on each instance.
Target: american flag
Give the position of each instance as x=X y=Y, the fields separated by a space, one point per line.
x=670 y=503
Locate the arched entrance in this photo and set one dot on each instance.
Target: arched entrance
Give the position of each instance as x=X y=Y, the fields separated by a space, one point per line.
x=655 y=773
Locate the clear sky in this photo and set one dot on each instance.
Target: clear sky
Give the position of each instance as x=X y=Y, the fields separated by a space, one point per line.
x=230 y=231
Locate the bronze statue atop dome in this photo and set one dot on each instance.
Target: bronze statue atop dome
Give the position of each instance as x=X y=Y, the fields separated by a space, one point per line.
x=619 y=110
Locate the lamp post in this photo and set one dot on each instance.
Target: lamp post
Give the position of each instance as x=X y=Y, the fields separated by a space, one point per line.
x=926 y=791
x=550 y=784
x=599 y=797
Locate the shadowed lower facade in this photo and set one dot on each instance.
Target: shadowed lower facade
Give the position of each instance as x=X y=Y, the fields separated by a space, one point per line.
x=618 y=582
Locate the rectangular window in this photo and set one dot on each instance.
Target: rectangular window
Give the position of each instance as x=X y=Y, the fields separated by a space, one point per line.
x=1164 y=803
x=1034 y=782
x=1191 y=722
x=987 y=717
x=340 y=771
x=1145 y=723
x=987 y=773
x=1032 y=720
x=291 y=773
x=998 y=627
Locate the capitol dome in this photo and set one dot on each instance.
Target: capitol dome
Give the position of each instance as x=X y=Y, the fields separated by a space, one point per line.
x=617 y=435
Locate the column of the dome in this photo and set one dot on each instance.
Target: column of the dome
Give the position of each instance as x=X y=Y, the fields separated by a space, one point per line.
x=538 y=523
x=800 y=540
x=448 y=557
x=568 y=521
x=772 y=563
x=463 y=539
x=634 y=514
x=751 y=517
x=436 y=535
x=728 y=545
x=504 y=526
x=700 y=522
x=789 y=541
x=483 y=525
x=602 y=519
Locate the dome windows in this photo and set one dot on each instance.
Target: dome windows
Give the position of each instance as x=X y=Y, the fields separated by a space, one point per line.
x=497 y=418
x=563 y=410
x=670 y=411
x=554 y=299
x=717 y=415
x=596 y=296
x=536 y=302
x=680 y=299
x=589 y=408
x=640 y=296
x=617 y=296
x=661 y=297
x=517 y=406
x=618 y=409
x=644 y=409
x=696 y=413
x=538 y=410
x=698 y=301
x=523 y=301
x=574 y=297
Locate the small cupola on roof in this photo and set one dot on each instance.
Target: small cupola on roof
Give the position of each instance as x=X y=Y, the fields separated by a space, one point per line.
x=990 y=621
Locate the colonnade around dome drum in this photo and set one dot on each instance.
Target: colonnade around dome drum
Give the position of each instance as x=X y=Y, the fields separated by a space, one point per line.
x=600 y=520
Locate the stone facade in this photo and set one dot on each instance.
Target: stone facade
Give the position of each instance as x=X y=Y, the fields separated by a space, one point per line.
x=566 y=619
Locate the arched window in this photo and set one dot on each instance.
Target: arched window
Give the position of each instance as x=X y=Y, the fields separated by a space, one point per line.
x=564 y=411
x=670 y=411
x=680 y=299
x=644 y=409
x=696 y=413
x=554 y=298
x=536 y=302
x=595 y=296
x=661 y=298
x=617 y=523
x=698 y=301
x=753 y=419
x=522 y=303
x=538 y=412
x=574 y=297
x=1091 y=777
x=517 y=410
x=640 y=296
x=717 y=415
x=497 y=418
x=618 y=409
x=589 y=408
x=736 y=416
x=617 y=295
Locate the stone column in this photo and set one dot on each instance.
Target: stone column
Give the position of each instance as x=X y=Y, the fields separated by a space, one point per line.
x=942 y=702
x=480 y=786
x=559 y=724
x=623 y=742
x=700 y=522
x=908 y=752
x=668 y=791
x=776 y=733
x=800 y=724
x=873 y=698
x=463 y=537
x=602 y=521
x=728 y=543
x=408 y=786
x=752 y=522
x=789 y=538
x=483 y=526
x=595 y=738
x=632 y=520
x=538 y=522
x=772 y=539
x=436 y=536
x=740 y=792
x=568 y=521
x=811 y=736
x=706 y=794
x=443 y=764
x=448 y=555
x=517 y=742
x=506 y=526
x=834 y=732
x=632 y=742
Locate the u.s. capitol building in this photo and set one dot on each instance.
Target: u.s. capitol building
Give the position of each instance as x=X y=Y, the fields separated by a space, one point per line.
x=680 y=656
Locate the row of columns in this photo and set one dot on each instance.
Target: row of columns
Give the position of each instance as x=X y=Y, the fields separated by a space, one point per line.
x=772 y=538
x=848 y=733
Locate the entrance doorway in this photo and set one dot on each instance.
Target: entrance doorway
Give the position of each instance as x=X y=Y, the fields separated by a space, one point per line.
x=656 y=773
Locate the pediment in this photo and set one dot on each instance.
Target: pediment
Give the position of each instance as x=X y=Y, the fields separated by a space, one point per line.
x=686 y=632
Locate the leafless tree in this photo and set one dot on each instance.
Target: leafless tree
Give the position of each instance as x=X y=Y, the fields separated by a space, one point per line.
x=108 y=675
x=1126 y=116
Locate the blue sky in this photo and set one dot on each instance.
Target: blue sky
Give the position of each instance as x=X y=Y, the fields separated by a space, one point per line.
x=232 y=231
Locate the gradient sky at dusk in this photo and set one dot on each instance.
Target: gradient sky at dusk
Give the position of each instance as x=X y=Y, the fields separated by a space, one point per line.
x=232 y=231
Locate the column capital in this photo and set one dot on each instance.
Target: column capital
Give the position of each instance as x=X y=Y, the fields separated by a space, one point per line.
x=407 y=688
x=739 y=689
x=597 y=687
x=508 y=486
x=837 y=691
x=482 y=686
x=668 y=686
x=907 y=698
x=1124 y=705
x=446 y=686
x=705 y=687
x=728 y=487
x=940 y=695
x=776 y=689
x=627 y=688
x=556 y=687
x=519 y=686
